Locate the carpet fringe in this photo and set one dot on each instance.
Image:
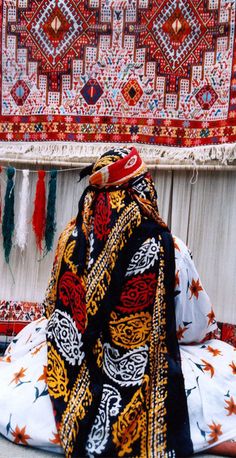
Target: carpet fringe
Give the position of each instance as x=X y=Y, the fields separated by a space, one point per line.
x=87 y=152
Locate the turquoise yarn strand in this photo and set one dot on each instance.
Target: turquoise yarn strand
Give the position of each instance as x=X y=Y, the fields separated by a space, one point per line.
x=8 y=215
x=51 y=208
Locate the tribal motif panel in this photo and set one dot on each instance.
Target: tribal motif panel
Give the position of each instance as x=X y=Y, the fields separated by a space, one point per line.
x=150 y=71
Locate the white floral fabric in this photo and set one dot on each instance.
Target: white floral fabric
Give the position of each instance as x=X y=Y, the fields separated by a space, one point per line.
x=26 y=411
x=209 y=369
x=208 y=365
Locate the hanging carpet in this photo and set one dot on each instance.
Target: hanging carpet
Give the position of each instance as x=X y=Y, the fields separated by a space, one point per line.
x=151 y=72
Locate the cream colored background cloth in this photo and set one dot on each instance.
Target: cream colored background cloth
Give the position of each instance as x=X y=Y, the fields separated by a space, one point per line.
x=202 y=214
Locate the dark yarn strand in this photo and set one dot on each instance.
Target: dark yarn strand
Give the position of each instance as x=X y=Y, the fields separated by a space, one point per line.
x=8 y=215
x=51 y=207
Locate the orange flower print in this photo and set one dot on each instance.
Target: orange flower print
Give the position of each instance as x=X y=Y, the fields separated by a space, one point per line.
x=18 y=376
x=177 y=278
x=231 y=406
x=195 y=287
x=43 y=377
x=5 y=359
x=211 y=317
x=214 y=351
x=56 y=439
x=208 y=367
x=20 y=436
x=215 y=432
x=180 y=332
x=233 y=366
x=37 y=350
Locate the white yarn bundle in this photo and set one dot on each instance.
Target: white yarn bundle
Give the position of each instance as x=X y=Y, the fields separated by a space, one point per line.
x=22 y=225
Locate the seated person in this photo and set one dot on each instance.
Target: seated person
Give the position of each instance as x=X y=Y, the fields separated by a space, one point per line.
x=124 y=362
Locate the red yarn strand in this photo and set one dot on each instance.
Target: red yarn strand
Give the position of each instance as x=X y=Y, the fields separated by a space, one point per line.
x=39 y=215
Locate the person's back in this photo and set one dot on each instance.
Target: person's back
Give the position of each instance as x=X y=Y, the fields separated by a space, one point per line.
x=119 y=276
x=107 y=351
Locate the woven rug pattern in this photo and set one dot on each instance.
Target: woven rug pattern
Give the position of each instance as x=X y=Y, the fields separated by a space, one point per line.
x=160 y=72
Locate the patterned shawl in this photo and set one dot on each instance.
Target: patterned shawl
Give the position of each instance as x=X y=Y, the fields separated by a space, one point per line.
x=114 y=375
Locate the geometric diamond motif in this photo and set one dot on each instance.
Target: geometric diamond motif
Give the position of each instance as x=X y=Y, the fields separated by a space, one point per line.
x=55 y=28
x=177 y=29
x=91 y=91
x=206 y=97
x=55 y=33
x=173 y=36
x=132 y=92
x=20 y=92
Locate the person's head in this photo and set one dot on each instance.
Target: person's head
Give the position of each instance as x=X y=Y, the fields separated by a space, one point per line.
x=123 y=169
x=116 y=168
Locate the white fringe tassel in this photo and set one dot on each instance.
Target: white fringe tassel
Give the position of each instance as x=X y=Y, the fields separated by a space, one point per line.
x=22 y=226
x=87 y=152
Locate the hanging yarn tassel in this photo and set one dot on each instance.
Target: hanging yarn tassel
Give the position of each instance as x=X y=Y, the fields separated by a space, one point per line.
x=0 y=197
x=38 y=220
x=22 y=226
x=51 y=207
x=8 y=215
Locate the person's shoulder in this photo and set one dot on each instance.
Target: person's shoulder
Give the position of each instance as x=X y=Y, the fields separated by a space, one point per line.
x=181 y=249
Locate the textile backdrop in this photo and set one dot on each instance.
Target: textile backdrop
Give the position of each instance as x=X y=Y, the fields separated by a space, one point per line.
x=203 y=215
x=154 y=72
